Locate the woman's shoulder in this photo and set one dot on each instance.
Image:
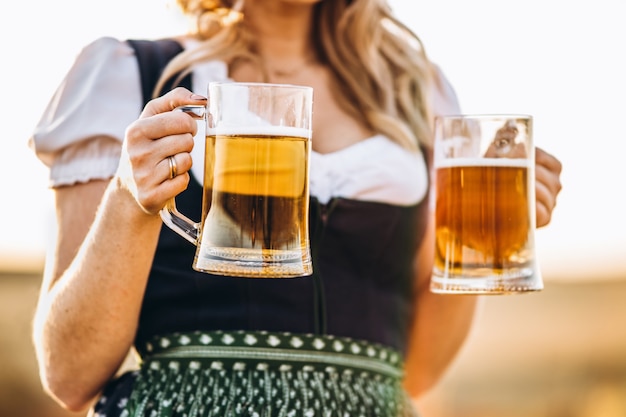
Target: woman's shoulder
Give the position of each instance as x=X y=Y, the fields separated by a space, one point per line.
x=102 y=80
x=109 y=49
x=99 y=64
x=105 y=43
x=444 y=99
x=101 y=49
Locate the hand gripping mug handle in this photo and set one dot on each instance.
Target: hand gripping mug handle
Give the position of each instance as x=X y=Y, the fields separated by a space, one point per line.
x=170 y=215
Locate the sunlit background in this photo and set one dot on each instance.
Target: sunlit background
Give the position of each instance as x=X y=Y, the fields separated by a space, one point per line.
x=556 y=353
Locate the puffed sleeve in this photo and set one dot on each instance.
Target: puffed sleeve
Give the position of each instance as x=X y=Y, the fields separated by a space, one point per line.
x=443 y=97
x=80 y=133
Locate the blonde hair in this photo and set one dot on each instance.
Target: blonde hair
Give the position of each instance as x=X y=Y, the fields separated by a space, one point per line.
x=381 y=70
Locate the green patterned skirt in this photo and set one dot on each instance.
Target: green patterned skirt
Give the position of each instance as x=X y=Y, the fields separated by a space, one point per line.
x=260 y=374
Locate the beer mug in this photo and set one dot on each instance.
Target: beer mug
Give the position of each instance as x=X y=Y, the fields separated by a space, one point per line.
x=256 y=192
x=484 y=196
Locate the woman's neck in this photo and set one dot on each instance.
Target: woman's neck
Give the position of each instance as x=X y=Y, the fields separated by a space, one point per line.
x=282 y=31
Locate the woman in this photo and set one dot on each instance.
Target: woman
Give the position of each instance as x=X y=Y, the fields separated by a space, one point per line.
x=117 y=279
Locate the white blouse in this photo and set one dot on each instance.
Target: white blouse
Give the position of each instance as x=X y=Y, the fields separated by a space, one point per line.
x=101 y=95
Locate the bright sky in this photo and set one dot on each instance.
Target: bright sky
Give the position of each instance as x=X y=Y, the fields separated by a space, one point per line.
x=561 y=61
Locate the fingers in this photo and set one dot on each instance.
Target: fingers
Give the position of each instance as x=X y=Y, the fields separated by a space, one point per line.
x=547 y=160
x=153 y=194
x=545 y=204
x=548 y=185
x=175 y=165
x=158 y=147
x=161 y=169
x=158 y=120
x=177 y=97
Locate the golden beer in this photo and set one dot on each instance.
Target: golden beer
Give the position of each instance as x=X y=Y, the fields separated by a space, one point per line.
x=483 y=217
x=255 y=207
x=255 y=203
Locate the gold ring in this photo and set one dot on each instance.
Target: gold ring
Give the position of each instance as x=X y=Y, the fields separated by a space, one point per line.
x=173 y=166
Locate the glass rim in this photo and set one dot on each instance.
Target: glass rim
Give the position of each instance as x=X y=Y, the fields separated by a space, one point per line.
x=484 y=116
x=260 y=84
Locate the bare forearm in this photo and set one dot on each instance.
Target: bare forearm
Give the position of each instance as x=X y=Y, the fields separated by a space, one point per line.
x=91 y=298
x=87 y=320
x=441 y=327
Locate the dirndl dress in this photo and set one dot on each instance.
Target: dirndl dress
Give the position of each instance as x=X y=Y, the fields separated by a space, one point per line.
x=329 y=345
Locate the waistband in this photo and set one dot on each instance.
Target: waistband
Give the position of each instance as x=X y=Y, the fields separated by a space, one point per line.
x=243 y=350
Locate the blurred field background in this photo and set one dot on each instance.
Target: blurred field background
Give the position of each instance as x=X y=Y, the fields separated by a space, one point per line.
x=557 y=353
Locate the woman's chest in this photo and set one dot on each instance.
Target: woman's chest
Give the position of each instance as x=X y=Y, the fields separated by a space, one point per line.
x=334 y=127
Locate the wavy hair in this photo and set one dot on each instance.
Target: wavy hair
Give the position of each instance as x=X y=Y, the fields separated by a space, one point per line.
x=381 y=70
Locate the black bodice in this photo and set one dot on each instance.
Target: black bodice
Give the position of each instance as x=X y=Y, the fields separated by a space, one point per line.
x=363 y=256
x=362 y=285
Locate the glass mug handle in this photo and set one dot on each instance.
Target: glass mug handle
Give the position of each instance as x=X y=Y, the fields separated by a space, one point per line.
x=170 y=215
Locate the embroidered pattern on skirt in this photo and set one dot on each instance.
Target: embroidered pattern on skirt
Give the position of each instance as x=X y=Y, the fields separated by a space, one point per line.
x=265 y=374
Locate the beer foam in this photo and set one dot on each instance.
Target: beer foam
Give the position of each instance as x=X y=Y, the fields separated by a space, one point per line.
x=483 y=162
x=261 y=131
